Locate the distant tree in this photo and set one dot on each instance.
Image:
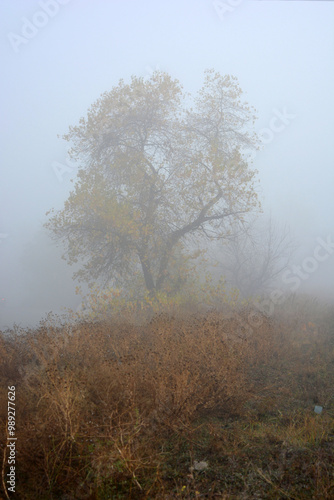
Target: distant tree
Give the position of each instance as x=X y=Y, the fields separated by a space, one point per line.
x=255 y=256
x=159 y=171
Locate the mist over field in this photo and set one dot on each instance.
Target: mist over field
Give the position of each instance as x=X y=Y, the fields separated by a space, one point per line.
x=167 y=249
x=58 y=57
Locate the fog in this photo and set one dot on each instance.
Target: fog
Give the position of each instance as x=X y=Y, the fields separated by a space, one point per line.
x=58 y=56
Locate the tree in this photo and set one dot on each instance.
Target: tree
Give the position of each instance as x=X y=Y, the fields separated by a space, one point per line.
x=159 y=172
x=255 y=257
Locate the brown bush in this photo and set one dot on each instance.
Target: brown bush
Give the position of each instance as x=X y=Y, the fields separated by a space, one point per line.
x=97 y=401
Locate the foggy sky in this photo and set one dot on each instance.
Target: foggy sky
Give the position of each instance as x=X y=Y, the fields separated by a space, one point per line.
x=281 y=52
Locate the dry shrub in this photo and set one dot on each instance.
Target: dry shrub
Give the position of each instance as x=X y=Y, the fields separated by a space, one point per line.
x=97 y=401
x=82 y=386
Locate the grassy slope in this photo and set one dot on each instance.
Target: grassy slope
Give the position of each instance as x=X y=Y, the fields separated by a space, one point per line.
x=114 y=410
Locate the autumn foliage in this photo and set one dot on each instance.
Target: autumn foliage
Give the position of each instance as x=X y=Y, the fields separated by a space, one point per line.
x=161 y=174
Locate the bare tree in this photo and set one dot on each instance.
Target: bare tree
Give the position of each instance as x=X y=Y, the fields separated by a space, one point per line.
x=254 y=258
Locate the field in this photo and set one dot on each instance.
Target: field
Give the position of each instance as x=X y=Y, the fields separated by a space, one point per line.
x=215 y=404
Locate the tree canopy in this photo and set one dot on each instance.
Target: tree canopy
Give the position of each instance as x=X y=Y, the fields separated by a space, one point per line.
x=159 y=172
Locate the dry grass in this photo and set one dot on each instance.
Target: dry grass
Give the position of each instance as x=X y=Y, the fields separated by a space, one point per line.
x=119 y=410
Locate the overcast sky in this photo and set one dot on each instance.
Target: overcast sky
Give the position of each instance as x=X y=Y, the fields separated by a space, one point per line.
x=58 y=56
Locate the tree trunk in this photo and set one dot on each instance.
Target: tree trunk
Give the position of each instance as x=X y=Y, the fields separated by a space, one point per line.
x=149 y=282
